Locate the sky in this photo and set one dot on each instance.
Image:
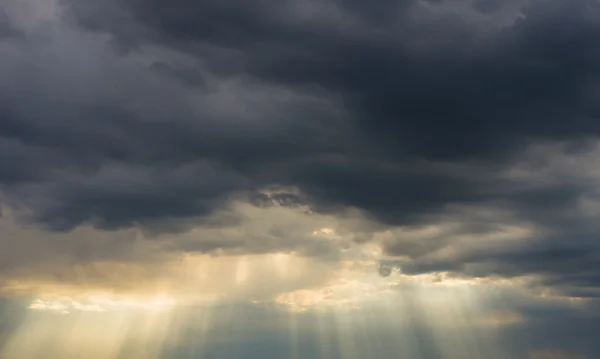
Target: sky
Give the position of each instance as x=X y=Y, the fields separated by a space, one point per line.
x=339 y=179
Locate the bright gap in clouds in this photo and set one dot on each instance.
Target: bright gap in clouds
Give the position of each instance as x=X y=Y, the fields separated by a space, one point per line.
x=161 y=299
x=353 y=314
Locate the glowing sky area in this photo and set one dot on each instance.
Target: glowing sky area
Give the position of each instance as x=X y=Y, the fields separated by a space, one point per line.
x=269 y=179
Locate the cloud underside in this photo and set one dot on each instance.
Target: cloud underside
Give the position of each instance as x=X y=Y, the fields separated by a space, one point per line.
x=459 y=136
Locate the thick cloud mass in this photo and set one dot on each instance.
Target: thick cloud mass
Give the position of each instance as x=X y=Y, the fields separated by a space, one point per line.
x=483 y=114
x=367 y=178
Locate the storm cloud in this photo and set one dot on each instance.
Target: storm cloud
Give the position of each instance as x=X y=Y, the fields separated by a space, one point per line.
x=462 y=118
x=354 y=104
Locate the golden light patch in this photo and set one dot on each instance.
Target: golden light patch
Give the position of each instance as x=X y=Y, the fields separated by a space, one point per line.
x=193 y=278
x=324 y=232
x=103 y=303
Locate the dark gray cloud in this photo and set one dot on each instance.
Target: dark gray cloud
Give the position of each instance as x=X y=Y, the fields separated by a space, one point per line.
x=125 y=112
x=570 y=268
x=430 y=83
x=398 y=82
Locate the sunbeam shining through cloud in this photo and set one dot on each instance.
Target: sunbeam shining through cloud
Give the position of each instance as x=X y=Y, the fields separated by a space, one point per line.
x=332 y=179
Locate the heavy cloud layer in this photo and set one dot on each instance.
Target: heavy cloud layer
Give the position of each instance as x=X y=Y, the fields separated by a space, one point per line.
x=481 y=114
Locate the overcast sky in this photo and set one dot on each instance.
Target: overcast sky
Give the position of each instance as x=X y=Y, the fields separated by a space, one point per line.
x=299 y=179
